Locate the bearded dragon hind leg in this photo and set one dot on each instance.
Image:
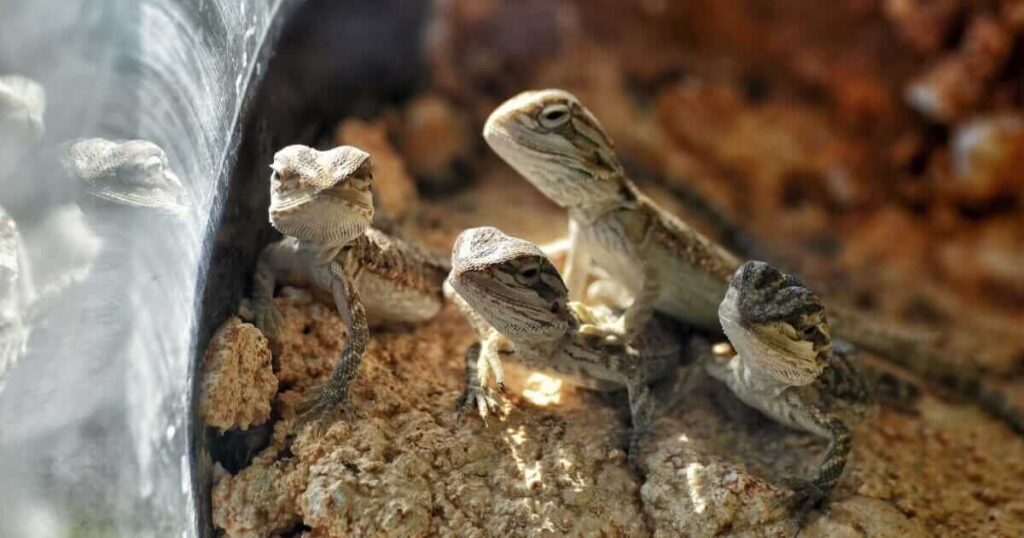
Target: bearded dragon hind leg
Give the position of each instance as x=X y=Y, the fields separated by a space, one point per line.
x=641 y=408
x=894 y=391
x=809 y=495
x=323 y=406
x=330 y=402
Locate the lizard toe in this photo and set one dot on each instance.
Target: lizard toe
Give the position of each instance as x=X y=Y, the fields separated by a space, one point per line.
x=805 y=499
x=268 y=319
x=322 y=409
x=636 y=437
x=479 y=399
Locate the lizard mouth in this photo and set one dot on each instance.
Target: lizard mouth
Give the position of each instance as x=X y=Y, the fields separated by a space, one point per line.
x=343 y=196
x=505 y=135
x=331 y=216
x=498 y=136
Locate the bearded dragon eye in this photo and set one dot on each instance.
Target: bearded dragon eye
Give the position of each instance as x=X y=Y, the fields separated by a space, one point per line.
x=553 y=116
x=283 y=183
x=152 y=164
x=362 y=181
x=528 y=275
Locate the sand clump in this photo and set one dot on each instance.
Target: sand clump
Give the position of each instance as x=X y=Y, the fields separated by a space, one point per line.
x=394 y=189
x=238 y=381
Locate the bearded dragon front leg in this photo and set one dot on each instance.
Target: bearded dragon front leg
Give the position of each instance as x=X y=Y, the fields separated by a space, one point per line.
x=641 y=311
x=476 y=394
x=266 y=316
x=286 y=260
x=577 y=264
x=809 y=494
x=331 y=398
x=482 y=359
x=641 y=407
x=489 y=339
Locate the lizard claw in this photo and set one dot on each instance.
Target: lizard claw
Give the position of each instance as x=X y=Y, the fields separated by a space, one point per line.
x=624 y=330
x=267 y=319
x=631 y=454
x=806 y=497
x=636 y=436
x=322 y=409
x=481 y=399
x=631 y=325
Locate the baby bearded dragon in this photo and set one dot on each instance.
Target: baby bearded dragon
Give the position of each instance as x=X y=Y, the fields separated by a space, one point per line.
x=514 y=288
x=321 y=202
x=784 y=366
x=560 y=147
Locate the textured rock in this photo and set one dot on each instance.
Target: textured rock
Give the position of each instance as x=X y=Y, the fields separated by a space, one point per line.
x=261 y=500
x=957 y=82
x=238 y=381
x=923 y=25
x=435 y=136
x=405 y=464
x=311 y=338
x=986 y=154
x=393 y=189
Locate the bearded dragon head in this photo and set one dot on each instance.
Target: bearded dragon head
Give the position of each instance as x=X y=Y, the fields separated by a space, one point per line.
x=321 y=196
x=511 y=284
x=775 y=323
x=557 y=145
x=133 y=173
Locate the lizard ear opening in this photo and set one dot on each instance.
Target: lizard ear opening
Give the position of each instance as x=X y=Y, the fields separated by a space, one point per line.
x=556 y=308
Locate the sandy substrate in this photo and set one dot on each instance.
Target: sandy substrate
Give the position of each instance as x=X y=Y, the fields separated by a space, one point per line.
x=404 y=464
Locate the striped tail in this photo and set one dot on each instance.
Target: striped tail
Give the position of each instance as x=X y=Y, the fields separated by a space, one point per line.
x=922 y=357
